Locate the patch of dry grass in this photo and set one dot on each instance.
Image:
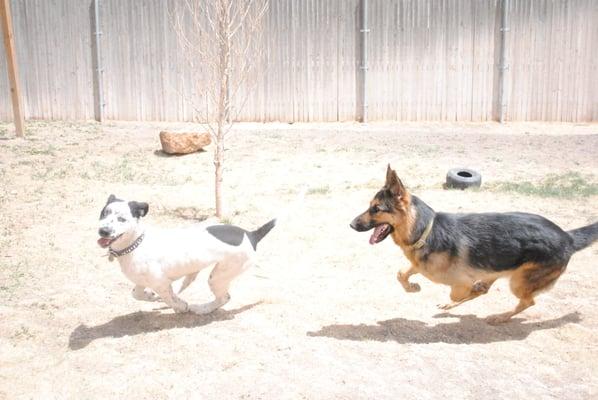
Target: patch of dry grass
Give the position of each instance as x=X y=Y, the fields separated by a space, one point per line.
x=568 y=185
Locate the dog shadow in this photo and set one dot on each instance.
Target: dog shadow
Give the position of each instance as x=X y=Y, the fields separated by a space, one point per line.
x=468 y=330
x=147 y=321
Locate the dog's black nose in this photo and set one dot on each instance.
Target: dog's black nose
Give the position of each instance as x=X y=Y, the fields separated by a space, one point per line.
x=104 y=232
x=358 y=225
x=355 y=224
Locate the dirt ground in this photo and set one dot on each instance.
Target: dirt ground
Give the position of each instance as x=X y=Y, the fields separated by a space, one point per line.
x=321 y=316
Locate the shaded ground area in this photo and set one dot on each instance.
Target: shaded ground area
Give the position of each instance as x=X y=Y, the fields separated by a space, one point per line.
x=321 y=316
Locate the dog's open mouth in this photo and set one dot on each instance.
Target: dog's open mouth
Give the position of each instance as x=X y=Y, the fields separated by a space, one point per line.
x=106 y=241
x=380 y=233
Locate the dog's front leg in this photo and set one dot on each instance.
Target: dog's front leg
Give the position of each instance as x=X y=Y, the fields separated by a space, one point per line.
x=403 y=278
x=460 y=294
x=143 y=294
x=168 y=296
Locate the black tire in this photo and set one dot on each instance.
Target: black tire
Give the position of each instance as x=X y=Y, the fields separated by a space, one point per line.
x=463 y=178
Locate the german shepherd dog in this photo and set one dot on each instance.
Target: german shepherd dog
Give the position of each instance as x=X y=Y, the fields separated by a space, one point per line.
x=468 y=252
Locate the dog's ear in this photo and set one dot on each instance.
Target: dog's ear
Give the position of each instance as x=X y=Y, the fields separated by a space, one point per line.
x=138 y=209
x=394 y=184
x=111 y=199
x=389 y=173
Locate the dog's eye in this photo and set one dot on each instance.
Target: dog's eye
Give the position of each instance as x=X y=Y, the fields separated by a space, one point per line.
x=121 y=219
x=374 y=209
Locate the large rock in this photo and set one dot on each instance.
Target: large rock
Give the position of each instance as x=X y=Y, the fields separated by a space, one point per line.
x=183 y=142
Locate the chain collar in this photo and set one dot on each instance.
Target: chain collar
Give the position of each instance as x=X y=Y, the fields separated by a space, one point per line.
x=126 y=250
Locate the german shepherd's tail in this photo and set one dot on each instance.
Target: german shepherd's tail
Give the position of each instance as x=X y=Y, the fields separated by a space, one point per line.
x=259 y=233
x=585 y=236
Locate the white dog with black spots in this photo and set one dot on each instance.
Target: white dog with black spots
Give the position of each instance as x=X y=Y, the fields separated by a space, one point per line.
x=153 y=259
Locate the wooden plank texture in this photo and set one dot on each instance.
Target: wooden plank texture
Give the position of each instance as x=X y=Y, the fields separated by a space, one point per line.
x=428 y=60
x=12 y=66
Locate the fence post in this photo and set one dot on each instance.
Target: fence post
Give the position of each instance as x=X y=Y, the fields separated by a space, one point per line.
x=13 y=71
x=97 y=62
x=364 y=60
x=503 y=66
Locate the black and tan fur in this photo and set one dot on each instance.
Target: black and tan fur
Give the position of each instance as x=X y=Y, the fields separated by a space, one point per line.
x=469 y=252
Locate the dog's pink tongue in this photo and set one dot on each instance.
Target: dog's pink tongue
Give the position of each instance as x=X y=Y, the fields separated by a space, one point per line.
x=376 y=235
x=103 y=242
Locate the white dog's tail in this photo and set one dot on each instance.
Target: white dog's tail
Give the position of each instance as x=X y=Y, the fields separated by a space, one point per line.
x=259 y=233
x=262 y=231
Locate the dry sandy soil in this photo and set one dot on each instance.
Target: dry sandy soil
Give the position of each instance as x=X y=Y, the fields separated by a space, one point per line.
x=321 y=316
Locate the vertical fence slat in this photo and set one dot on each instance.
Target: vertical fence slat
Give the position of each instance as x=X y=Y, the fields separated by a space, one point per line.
x=429 y=60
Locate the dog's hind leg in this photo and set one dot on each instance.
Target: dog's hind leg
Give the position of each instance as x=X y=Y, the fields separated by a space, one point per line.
x=168 y=296
x=460 y=294
x=524 y=303
x=403 y=278
x=526 y=283
x=220 y=278
x=182 y=284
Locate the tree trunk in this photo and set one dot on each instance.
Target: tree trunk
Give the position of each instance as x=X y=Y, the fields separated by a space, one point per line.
x=222 y=112
x=219 y=164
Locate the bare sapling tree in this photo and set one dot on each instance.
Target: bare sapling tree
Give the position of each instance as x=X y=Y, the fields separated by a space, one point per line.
x=222 y=43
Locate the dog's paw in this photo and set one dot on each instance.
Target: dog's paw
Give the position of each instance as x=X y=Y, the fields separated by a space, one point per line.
x=412 y=287
x=145 y=295
x=447 y=306
x=202 y=309
x=151 y=296
x=480 y=287
x=498 y=319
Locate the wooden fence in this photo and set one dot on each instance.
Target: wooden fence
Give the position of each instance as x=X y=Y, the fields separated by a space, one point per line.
x=426 y=60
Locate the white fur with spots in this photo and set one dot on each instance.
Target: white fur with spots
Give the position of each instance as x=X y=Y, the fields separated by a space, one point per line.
x=166 y=256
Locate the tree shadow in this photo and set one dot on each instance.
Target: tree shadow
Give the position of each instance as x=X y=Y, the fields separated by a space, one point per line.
x=469 y=329
x=147 y=321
